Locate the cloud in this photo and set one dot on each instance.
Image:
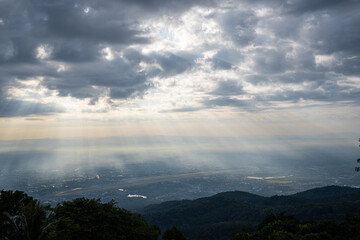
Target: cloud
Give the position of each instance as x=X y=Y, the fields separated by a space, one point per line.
x=86 y=80
x=338 y=33
x=226 y=59
x=17 y=108
x=81 y=21
x=185 y=109
x=270 y=61
x=248 y=105
x=266 y=51
x=299 y=6
x=174 y=6
x=228 y=87
x=239 y=27
x=172 y=64
x=75 y=51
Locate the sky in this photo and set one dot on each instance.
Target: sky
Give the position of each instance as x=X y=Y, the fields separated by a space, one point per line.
x=276 y=78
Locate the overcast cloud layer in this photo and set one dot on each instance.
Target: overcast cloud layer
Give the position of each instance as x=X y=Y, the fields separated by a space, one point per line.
x=177 y=55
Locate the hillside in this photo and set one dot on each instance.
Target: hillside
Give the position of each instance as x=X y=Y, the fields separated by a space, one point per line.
x=228 y=212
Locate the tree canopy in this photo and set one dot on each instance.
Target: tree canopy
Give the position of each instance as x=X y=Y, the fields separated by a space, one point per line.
x=90 y=219
x=173 y=233
x=22 y=217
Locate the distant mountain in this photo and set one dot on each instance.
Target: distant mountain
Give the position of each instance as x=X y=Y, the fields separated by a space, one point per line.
x=224 y=213
x=330 y=192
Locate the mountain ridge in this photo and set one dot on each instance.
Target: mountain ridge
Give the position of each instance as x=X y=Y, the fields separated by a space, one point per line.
x=236 y=208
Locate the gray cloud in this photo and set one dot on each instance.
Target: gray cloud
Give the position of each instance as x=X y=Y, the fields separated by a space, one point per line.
x=171 y=63
x=90 y=80
x=16 y=108
x=289 y=40
x=169 y=5
x=75 y=51
x=349 y=65
x=72 y=33
x=226 y=59
x=133 y=56
x=80 y=21
x=220 y=64
x=314 y=78
x=75 y=34
x=277 y=49
x=270 y=61
x=340 y=32
x=239 y=27
x=121 y=93
x=248 y=105
x=228 y=87
x=185 y=109
x=300 y=6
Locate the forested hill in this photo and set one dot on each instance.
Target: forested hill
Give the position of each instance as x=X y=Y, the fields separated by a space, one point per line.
x=229 y=211
x=229 y=215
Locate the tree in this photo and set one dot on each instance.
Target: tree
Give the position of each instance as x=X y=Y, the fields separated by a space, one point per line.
x=173 y=234
x=285 y=227
x=243 y=236
x=89 y=219
x=11 y=204
x=31 y=223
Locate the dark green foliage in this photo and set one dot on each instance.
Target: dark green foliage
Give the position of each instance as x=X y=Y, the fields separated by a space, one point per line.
x=218 y=214
x=216 y=217
x=22 y=217
x=12 y=202
x=271 y=218
x=217 y=231
x=90 y=219
x=284 y=227
x=32 y=223
x=173 y=233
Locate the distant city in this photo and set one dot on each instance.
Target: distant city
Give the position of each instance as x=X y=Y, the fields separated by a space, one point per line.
x=142 y=184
